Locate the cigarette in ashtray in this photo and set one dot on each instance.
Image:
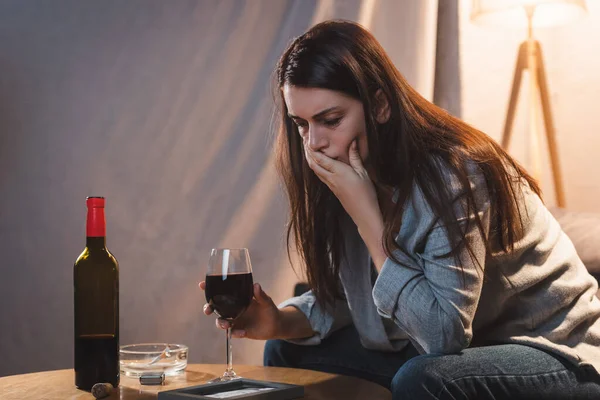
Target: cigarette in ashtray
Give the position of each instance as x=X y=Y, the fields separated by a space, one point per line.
x=102 y=390
x=166 y=353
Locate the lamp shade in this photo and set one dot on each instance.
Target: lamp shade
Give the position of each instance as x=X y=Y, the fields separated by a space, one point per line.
x=512 y=12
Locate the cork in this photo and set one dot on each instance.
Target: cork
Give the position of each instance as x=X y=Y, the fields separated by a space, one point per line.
x=102 y=390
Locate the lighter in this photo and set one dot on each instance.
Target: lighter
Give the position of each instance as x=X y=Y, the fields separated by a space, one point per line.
x=152 y=378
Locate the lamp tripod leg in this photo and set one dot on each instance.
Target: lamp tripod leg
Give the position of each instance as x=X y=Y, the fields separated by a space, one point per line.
x=549 y=127
x=514 y=95
x=521 y=65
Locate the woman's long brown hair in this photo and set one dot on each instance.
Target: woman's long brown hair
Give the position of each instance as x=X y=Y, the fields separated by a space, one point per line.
x=343 y=56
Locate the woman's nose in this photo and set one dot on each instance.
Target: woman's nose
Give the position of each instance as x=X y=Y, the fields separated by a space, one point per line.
x=316 y=140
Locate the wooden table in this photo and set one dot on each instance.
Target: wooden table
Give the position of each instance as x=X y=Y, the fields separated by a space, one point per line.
x=60 y=384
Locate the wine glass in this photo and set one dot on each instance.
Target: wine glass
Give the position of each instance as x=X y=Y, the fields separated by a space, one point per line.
x=229 y=289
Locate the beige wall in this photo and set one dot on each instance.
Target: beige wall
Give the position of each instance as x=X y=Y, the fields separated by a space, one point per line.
x=487 y=59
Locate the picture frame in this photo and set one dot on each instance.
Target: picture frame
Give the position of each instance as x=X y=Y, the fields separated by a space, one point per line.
x=237 y=389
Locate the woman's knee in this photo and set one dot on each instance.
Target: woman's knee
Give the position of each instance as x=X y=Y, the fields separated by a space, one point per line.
x=421 y=377
x=278 y=353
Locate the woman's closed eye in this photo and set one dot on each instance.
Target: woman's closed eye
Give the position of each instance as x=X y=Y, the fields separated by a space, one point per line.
x=332 y=122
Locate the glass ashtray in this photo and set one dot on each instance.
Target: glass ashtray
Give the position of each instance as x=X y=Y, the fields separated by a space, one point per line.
x=137 y=359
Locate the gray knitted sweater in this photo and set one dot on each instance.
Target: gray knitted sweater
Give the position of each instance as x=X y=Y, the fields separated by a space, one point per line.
x=539 y=295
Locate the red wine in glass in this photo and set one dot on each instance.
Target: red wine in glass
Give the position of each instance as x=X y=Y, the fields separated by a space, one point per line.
x=229 y=288
x=229 y=295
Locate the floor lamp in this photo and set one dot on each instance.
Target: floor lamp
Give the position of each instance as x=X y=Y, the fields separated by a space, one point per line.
x=531 y=13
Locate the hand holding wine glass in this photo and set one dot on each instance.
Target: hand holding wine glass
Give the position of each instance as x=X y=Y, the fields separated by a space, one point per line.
x=260 y=320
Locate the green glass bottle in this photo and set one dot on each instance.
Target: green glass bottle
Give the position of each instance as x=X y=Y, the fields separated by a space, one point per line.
x=96 y=286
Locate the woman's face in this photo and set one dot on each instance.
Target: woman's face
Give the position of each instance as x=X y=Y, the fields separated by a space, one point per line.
x=328 y=121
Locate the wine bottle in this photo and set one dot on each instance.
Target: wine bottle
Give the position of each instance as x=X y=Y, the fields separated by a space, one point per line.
x=96 y=286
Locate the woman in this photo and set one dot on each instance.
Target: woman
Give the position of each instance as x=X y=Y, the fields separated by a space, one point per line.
x=434 y=267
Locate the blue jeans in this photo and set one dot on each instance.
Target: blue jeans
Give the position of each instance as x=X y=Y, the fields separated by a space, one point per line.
x=507 y=371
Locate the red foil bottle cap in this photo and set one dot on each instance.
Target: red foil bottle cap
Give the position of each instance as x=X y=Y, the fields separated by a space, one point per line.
x=95 y=202
x=96 y=222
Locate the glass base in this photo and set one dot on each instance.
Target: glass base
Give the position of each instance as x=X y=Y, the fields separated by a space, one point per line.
x=227 y=376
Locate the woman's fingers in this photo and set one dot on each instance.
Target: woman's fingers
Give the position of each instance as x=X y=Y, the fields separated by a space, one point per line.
x=311 y=159
x=221 y=323
x=238 y=333
x=354 y=156
x=323 y=161
x=207 y=309
x=259 y=294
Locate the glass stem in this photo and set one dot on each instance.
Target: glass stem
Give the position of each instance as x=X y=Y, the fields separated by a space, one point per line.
x=229 y=370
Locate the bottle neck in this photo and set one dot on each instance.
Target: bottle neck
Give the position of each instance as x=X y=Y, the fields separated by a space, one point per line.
x=95 y=242
x=96 y=228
